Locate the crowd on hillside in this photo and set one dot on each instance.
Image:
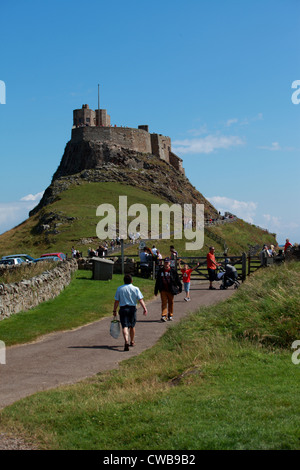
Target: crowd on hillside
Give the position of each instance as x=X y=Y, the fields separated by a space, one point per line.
x=104 y=247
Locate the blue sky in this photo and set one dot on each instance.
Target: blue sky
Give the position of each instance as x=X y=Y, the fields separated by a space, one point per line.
x=215 y=76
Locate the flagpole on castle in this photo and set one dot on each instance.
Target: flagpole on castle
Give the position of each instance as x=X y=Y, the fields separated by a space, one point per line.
x=98 y=107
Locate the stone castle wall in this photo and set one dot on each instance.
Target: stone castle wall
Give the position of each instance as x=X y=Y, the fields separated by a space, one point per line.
x=26 y=294
x=138 y=140
x=176 y=162
x=133 y=139
x=161 y=146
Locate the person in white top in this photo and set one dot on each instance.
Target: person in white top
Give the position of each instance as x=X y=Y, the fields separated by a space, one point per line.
x=154 y=250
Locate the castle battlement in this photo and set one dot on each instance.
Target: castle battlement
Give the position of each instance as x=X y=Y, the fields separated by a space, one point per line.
x=85 y=127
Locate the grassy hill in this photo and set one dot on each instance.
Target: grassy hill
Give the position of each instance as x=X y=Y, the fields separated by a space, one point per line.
x=71 y=221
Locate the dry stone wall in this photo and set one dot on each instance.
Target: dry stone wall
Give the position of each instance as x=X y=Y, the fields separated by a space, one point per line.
x=26 y=294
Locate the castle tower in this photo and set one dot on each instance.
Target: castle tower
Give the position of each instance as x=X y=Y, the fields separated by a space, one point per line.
x=104 y=118
x=88 y=117
x=84 y=116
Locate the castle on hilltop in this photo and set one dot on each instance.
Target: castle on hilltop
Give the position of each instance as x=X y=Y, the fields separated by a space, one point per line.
x=95 y=126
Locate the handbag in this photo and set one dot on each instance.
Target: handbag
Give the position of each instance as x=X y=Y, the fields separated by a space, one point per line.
x=115 y=328
x=176 y=288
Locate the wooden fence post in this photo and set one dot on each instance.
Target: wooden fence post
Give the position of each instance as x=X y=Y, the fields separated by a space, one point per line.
x=244 y=266
x=122 y=255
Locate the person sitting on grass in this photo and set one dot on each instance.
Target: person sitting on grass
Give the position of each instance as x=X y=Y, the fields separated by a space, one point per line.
x=186 y=278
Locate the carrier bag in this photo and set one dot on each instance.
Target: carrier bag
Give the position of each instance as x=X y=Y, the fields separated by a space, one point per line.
x=115 y=329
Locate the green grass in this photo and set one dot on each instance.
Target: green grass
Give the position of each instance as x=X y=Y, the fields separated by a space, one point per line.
x=271 y=308
x=83 y=301
x=79 y=203
x=240 y=234
x=246 y=401
x=207 y=384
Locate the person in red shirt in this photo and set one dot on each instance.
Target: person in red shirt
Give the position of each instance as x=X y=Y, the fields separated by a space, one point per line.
x=211 y=266
x=186 y=278
x=287 y=245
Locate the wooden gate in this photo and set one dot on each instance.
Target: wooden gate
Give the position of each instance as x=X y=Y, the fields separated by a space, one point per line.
x=244 y=264
x=200 y=273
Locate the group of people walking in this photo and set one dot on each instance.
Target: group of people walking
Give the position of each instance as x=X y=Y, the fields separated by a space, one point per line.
x=128 y=295
x=168 y=284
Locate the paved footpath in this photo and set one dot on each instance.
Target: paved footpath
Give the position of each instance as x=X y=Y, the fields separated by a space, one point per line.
x=68 y=357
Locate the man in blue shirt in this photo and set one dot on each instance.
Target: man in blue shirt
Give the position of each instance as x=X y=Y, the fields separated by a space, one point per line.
x=127 y=297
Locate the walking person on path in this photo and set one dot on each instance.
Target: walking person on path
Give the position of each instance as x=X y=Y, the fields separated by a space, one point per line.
x=168 y=284
x=127 y=297
x=186 y=278
x=212 y=266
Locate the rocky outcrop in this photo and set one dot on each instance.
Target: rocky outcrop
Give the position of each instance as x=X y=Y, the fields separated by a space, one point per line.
x=102 y=162
x=28 y=293
x=50 y=223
